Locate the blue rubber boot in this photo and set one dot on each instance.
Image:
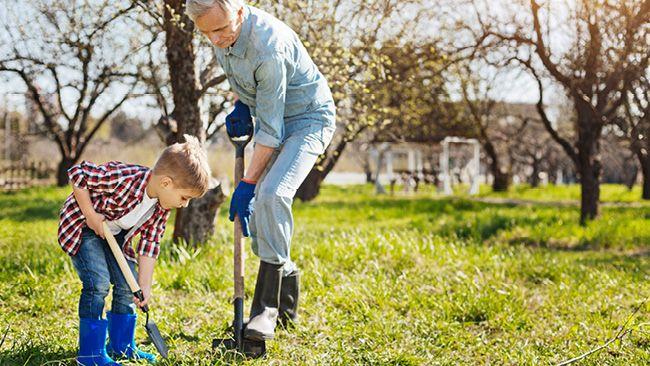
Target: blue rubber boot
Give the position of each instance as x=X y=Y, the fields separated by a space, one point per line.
x=92 y=343
x=121 y=338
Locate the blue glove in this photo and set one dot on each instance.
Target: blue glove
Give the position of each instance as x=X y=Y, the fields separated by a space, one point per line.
x=239 y=122
x=240 y=204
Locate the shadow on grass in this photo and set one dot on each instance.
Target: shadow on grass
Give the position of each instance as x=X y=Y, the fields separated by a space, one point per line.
x=37 y=354
x=21 y=211
x=433 y=205
x=636 y=264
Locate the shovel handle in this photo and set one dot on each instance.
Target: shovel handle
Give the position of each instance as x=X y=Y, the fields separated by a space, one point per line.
x=238 y=237
x=124 y=267
x=240 y=145
x=238 y=322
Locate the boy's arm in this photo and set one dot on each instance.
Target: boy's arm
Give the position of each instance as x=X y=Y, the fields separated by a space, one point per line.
x=145 y=278
x=93 y=219
x=148 y=250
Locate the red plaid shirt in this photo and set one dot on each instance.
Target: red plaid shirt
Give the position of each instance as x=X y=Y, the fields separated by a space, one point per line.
x=115 y=189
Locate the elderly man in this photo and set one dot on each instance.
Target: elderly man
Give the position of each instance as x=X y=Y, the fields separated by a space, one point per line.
x=277 y=83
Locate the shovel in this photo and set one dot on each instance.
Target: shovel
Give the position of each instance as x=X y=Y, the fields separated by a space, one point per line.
x=150 y=326
x=247 y=347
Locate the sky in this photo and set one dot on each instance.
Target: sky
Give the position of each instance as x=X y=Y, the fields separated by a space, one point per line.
x=510 y=86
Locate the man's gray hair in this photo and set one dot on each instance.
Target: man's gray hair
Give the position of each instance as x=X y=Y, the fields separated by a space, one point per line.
x=196 y=8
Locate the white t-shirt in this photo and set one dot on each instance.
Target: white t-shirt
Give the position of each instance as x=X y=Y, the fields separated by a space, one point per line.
x=131 y=219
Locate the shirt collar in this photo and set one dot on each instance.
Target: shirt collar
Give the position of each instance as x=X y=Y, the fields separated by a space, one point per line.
x=239 y=48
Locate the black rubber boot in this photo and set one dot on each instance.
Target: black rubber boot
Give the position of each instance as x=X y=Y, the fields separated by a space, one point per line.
x=289 y=295
x=266 y=303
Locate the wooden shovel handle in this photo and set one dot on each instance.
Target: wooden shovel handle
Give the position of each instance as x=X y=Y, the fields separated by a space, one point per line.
x=121 y=261
x=238 y=237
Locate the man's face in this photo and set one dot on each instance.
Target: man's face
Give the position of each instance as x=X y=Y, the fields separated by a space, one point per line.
x=221 y=26
x=171 y=197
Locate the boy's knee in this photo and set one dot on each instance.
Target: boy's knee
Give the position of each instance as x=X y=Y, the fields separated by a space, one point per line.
x=122 y=298
x=123 y=294
x=97 y=288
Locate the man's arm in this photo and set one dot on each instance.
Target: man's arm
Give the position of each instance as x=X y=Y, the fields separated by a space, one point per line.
x=271 y=94
x=261 y=156
x=269 y=99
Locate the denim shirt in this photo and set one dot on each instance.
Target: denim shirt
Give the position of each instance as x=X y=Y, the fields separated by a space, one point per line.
x=271 y=71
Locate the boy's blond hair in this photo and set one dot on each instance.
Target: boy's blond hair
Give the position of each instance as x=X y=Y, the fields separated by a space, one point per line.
x=186 y=164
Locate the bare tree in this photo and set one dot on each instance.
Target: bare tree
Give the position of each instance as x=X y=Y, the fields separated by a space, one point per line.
x=635 y=123
x=181 y=81
x=77 y=63
x=594 y=50
x=480 y=110
x=533 y=151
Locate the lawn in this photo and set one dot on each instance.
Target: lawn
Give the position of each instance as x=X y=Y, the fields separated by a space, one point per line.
x=388 y=280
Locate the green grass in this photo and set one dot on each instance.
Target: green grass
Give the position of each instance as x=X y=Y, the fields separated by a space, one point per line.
x=388 y=280
x=608 y=193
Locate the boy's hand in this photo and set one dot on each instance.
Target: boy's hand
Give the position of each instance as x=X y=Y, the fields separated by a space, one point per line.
x=94 y=221
x=146 y=293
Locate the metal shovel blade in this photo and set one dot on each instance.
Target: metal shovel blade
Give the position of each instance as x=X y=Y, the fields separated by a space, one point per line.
x=156 y=338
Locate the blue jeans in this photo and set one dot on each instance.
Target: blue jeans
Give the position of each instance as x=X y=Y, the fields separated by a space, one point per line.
x=97 y=269
x=271 y=224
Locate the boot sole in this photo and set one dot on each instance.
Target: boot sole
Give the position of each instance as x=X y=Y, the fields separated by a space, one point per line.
x=254 y=335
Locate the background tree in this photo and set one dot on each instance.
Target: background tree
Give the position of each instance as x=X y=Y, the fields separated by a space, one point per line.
x=126 y=128
x=480 y=109
x=181 y=82
x=594 y=50
x=77 y=60
x=635 y=123
x=533 y=151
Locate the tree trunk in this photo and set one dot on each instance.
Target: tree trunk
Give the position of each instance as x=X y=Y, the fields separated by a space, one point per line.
x=534 y=177
x=590 y=193
x=644 y=161
x=196 y=221
x=182 y=74
x=629 y=176
x=501 y=179
x=589 y=167
x=310 y=187
x=62 y=171
x=369 y=178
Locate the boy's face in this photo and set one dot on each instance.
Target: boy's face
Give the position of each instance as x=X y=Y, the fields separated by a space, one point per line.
x=171 y=197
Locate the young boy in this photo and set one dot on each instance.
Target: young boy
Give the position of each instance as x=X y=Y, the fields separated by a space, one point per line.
x=133 y=200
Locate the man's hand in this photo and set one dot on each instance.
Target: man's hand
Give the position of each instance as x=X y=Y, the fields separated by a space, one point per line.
x=239 y=122
x=240 y=204
x=94 y=221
